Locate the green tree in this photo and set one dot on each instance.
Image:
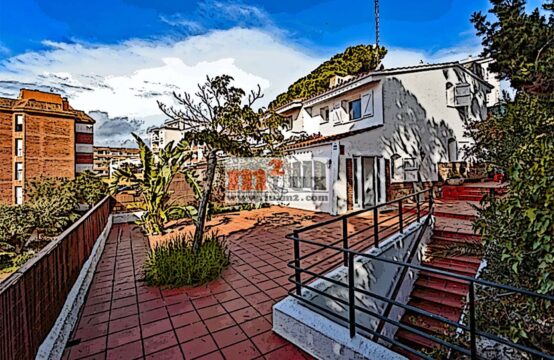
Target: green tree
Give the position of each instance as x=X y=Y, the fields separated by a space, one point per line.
x=89 y=188
x=54 y=202
x=153 y=181
x=221 y=118
x=16 y=226
x=353 y=61
x=518 y=229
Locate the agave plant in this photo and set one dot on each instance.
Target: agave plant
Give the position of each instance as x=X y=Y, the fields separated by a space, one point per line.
x=153 y=181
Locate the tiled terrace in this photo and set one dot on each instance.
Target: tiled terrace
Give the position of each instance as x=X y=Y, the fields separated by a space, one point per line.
x=230 y=318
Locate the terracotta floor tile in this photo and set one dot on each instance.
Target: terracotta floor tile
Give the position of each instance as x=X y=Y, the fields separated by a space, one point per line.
x=123 y=312
x=173 y=353
x=235 y=304
x=228 y=336
x=191 y=331
x=89 y=347
x=126 y=352
x=219 y=322
x=255 y=326
x=153 y=315
x=198 y=347
x=245 y=314
x=159 y=342
x=91 y=332
x=185 y=319
x=156 y=327
x=216 y=355
x=124 y=337
x=211 y=311
x=288 y=352
x=123 y=323
x=268 y=341
x=244 y=350
x=204 y=301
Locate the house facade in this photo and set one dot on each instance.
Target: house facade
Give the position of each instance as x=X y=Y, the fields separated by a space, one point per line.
x=41 y=135
x=373 y=137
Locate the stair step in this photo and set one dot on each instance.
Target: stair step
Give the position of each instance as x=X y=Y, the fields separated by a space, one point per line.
x=431 y=275
x=454 y=259
x=438 y=297
x=427 y=324
x=456 y=235
x=434 y=283
x=449 y=265
x=445 y=311
x=415 y=341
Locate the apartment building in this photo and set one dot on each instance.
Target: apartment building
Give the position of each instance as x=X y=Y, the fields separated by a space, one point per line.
x=41 y=135
x=377 y=135
x=107 y=159
x=172 y=130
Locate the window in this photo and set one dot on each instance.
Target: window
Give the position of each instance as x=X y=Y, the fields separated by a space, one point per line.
x=452 y=150
x=18 y=122
x=18 y=171
x=355 y=109
x=307 y=174
x=288 y=123
x=18 y=147
x=324 y=112
x=320 y=178
x=296 y=176
x=397 y=173
x=18 y=195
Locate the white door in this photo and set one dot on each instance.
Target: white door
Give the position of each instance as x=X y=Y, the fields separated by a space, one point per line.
x=368 y=164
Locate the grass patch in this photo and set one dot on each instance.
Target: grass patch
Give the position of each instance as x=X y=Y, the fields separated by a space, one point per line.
x=175 y=263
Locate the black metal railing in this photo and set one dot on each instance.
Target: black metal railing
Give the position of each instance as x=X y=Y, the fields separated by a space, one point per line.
x=409 y=209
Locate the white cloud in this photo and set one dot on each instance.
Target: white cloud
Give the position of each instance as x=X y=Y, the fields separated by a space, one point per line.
x=397 y=57
x=127 y=79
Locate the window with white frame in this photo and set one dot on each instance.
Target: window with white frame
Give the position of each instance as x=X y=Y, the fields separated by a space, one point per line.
x=18 y=122
x=355 y=109
x=18 y=171
x=324 y=113
x=18 y=195
x=18 y=147
x=397 y=168
x=288 y=123
x=309 y=175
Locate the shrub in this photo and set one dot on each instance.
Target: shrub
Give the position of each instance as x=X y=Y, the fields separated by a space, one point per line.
x=89 y=188
x=16 y=225
x=175 y=262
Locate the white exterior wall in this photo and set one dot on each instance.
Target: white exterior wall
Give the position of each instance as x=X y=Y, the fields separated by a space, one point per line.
x=417 y=123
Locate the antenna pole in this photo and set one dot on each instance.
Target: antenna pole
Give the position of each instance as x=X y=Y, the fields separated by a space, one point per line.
x=376 y=22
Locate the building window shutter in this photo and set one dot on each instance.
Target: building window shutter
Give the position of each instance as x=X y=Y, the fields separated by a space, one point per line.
x=367 y=104
x=336 y=113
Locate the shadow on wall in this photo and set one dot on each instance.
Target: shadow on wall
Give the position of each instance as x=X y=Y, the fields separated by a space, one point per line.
x=408 y=132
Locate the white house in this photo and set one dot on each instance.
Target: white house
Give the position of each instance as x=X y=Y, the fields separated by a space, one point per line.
x=379 y=133
x=172 y=130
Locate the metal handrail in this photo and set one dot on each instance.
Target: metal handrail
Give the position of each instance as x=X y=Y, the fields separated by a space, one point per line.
x=348 y=260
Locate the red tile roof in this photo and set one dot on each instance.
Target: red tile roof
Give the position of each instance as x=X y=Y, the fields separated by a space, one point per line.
x=320 y=139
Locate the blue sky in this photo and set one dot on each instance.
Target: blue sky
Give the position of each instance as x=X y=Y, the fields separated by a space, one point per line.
x=116 y=58
x=320 y=26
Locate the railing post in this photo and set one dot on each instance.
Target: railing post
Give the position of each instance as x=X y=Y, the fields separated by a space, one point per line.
x=297 y=277
x=351 y=296
x=430 y=200
x=376 y=226
x=472 y=320
x=417 y=207
x=400 y=219
x=345 y=240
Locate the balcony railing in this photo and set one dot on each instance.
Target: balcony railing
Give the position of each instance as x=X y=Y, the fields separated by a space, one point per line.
x=345 y=253
x=31 y=298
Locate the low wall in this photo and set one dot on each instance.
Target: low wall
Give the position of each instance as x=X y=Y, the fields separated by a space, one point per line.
x=33 y=297
x=294 y=319
x=468 y=170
